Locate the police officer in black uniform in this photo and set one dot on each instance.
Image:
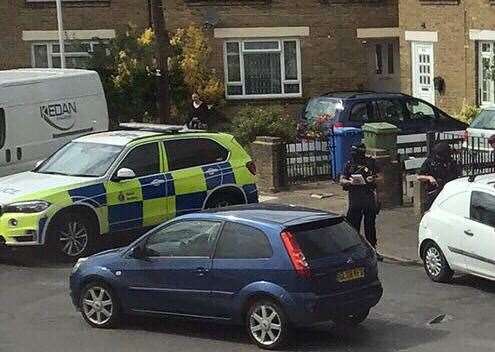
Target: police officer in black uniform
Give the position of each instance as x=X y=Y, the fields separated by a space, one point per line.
x=359 y=179
x=437 y=170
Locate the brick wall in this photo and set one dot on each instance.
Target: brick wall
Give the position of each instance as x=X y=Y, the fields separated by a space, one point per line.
x=19 y=16
x=332 y=58
x=455 y=55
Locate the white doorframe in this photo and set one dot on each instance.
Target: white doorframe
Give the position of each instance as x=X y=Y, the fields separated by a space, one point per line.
x=486 y=52
x=422 y=71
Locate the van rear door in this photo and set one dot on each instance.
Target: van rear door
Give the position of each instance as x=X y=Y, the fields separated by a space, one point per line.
x=338 y=257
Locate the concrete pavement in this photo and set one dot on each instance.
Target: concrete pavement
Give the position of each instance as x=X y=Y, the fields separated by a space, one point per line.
x=36 y=315
x=396 y=228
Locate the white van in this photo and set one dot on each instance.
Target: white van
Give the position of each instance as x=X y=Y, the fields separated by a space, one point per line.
x=43 y=109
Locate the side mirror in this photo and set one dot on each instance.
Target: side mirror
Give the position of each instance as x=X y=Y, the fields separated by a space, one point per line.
x=38 y=163
x=124 y=174
x=137 y=252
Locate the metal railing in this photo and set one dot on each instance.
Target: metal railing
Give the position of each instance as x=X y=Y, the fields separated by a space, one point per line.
x=309 y=160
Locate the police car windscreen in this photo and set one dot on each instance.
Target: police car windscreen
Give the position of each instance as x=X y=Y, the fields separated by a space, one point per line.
x=81 y=159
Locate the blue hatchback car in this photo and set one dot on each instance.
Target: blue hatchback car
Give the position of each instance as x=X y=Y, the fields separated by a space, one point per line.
x=269 y=267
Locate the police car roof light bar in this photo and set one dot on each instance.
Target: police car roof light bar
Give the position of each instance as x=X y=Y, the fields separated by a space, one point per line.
x=152 y=127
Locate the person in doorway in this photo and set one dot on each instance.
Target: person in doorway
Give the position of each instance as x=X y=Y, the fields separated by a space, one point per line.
x=198 y=116
x=359 y=179
x=437 y=170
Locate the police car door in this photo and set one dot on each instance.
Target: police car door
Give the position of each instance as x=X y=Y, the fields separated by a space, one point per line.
x=141 y=201
x=196 y=166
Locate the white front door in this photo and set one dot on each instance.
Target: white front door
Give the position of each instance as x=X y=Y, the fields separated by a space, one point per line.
x=422 y=71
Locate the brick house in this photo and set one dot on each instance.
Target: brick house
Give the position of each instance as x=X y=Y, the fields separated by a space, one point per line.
x=29 y=36
x=451 y=39
x=267 y=50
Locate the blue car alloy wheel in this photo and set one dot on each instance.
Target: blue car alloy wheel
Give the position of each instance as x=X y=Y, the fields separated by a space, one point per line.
x=99 y=306
x=267 y=325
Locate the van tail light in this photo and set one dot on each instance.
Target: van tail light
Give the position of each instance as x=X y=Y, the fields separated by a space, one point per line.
x=338 y=124
x=296 y=256
x=251 y=166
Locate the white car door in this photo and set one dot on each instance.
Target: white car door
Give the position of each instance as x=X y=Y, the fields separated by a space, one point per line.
x=445 y=228
x=479 y=232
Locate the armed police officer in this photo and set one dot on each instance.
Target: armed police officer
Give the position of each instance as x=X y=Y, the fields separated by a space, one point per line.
x=359 y=179
x=437 y=170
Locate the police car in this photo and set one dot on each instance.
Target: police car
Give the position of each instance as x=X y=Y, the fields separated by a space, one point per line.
x=121 y=180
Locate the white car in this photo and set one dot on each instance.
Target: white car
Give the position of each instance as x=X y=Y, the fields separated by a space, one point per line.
x=458 y=232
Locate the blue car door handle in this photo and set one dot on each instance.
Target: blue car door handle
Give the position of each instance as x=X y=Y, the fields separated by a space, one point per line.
x=201 y=271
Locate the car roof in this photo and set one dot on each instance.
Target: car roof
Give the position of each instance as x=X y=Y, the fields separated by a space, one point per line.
x=31 y=75
x=484 y=181
x=363 y=94
x=267 y=213
x=124 y=137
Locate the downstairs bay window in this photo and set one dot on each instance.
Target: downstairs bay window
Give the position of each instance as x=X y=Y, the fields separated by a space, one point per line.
x=265 y=68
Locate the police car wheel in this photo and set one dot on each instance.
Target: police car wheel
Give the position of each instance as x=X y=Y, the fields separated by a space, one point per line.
x=99 y=305
x=71 y=236
x=223 y=200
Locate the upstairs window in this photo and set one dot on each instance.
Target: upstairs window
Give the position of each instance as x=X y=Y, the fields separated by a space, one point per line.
x=77 y=54
x=267 y=68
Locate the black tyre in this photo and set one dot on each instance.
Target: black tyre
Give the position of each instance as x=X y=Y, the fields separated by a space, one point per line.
x=352 y=319
x=222 y=199
x=71 y=236
x=435 y=264
x=267 y=325
x=99 y=305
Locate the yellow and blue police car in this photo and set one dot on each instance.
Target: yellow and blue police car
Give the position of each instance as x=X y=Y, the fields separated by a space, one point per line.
x=121 y=180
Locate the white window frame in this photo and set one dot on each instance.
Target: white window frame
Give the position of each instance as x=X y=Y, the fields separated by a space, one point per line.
x=490 y=56
x=242 y=82
x=51 y=54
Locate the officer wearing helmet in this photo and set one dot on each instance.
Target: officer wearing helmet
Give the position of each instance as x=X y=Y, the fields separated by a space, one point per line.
x=437 y=170
x=359 y=179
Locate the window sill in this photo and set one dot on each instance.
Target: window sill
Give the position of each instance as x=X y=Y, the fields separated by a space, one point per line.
x=82 y=3
x=264 y=97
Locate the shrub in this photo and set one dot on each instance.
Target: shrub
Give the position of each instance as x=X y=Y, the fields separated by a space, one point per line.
x=253 y=121
x=467 y=113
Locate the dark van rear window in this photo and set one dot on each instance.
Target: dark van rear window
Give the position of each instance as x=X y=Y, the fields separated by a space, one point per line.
x=327 y=239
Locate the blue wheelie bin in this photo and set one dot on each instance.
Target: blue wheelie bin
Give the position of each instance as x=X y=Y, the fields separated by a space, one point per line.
x=344 y=139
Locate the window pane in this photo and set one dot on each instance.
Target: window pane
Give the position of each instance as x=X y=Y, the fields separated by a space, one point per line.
x=359 y=113
x=319 y=241
x=262 y=73
x=260 y=45
x=242 y=242
x=419 y=110
x=71 y=61
x=234 y=90
x=390 y=57
x=290 y=57
x=291 y=88
x=391 y=110
x=40 y=56
x=378 y=57
x=185 y=153
x=143 y=160
x=183 y=239
x=73 y=47
x=233 y=48
x=483 y=208
x=233 y=68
